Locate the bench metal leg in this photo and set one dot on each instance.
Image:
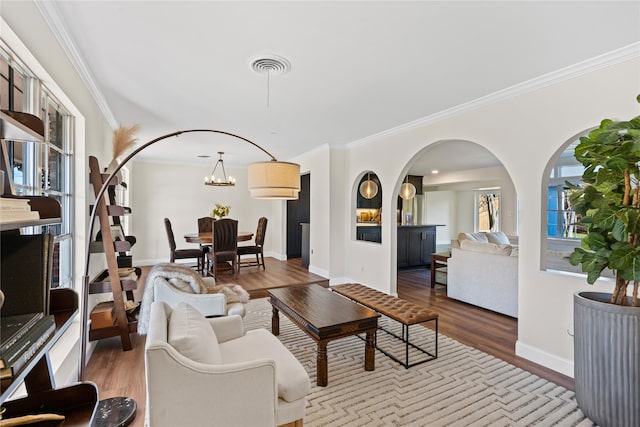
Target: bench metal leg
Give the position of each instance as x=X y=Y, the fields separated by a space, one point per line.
x=405 y=338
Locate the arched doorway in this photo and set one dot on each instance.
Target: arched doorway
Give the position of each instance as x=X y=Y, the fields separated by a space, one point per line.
x=458 y=178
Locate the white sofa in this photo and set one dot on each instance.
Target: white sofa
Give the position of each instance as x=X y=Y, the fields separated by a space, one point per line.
x=205 y=372
x=484 y=274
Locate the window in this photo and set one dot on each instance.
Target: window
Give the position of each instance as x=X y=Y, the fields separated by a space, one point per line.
x=561 y=219
x=488 y=211
x=42 y=168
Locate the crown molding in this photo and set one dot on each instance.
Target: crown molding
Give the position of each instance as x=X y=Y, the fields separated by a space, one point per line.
x=617 y=56
x=50 y=14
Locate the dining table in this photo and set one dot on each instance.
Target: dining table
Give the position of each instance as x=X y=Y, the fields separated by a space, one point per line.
x=205 y=237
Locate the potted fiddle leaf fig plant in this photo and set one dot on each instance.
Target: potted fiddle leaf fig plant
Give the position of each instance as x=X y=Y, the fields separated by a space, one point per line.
x=607 y=326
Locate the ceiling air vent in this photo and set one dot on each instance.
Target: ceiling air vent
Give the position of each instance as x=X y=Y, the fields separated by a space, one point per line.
x=270 y=64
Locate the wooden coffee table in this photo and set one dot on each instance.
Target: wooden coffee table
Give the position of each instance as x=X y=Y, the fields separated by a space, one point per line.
x=324 y=316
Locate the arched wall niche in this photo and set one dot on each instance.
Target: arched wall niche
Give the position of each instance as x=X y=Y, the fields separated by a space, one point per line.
x=366 y=218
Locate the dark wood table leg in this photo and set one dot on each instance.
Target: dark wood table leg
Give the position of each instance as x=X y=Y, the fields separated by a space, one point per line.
x=370 y=352
x=275 y=322
x=322 y=375
x=433 y=271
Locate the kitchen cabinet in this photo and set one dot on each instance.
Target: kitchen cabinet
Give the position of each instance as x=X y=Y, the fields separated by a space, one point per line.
x=416 y=243
x=369 y=233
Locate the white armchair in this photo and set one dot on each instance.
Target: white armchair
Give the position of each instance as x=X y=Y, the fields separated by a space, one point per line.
x=203 y=372
x=208 y=304
x=175 y=283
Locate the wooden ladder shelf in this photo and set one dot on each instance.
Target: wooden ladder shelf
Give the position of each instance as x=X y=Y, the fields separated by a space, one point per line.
x=122 y=288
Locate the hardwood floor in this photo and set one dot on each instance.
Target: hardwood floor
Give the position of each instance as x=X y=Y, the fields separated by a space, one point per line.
x=485 y=330
x=119 y=373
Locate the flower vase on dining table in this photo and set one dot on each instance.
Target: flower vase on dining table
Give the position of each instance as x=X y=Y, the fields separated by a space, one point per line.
x=220 y=211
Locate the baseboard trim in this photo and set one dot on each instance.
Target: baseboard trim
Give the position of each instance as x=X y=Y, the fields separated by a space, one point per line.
x=548 y=360
x=318 y=271
x=339 y=281
x=279 y=257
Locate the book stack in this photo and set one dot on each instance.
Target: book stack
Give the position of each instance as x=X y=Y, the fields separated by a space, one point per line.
x=15 y=210
x=22 y=335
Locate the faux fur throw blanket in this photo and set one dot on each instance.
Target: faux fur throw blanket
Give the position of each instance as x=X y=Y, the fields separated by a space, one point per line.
x=187 y=280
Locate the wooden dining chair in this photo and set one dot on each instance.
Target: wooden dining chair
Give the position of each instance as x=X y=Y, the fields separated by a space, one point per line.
x=255 y=249
x=182 y=253
x=224 y=246
x=205 y=225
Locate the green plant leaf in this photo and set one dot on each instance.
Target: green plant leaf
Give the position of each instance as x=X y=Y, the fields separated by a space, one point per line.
x=576 y=256
x=633 y=221
x=621 y=259
x=593 y=241
x=619 y=230
x=605 y=218
x=617 y=163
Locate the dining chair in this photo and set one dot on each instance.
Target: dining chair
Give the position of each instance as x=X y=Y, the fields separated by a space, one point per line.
x=182 y=253
x=224 y=246
x=205 y=225
x=255 y=249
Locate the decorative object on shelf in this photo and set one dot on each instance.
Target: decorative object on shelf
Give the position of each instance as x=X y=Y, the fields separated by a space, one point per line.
x=368 y=189
x=408 y=190
x=607 y=326
x=267 y=180
x=123 y=139
x=219 y=181
x=220 y=211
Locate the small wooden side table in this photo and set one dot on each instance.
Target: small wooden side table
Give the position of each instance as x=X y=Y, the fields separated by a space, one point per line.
x=439 y=265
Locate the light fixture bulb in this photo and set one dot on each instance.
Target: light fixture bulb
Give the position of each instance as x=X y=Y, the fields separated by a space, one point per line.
x=368 y=189
x=408 y=190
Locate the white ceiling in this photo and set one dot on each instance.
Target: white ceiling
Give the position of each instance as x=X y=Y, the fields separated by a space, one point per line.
x=357 y=68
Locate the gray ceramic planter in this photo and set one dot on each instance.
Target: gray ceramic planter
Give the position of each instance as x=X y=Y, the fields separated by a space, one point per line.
x=607 y=360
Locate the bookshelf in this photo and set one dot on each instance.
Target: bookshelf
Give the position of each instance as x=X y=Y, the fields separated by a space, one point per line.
x=76 y=402
x=115 y=251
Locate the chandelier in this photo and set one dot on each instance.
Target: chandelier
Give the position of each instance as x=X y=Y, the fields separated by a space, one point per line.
x=219 y=181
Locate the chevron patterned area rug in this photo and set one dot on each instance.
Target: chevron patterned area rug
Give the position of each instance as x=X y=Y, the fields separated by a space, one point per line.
x=462 y=387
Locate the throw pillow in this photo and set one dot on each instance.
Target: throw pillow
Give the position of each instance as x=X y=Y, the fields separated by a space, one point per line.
x=498 y=237
x=192 y=335
x=474 y=237
x=490 y=248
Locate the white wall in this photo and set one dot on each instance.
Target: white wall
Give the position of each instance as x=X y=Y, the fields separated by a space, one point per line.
x=465 y=182
x=441 y=208
x=177 y=192
x=318 y=163
x=465 y=203
x=533 y=124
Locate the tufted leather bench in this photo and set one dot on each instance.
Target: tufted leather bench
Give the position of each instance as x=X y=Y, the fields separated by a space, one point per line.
x=397 y=309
